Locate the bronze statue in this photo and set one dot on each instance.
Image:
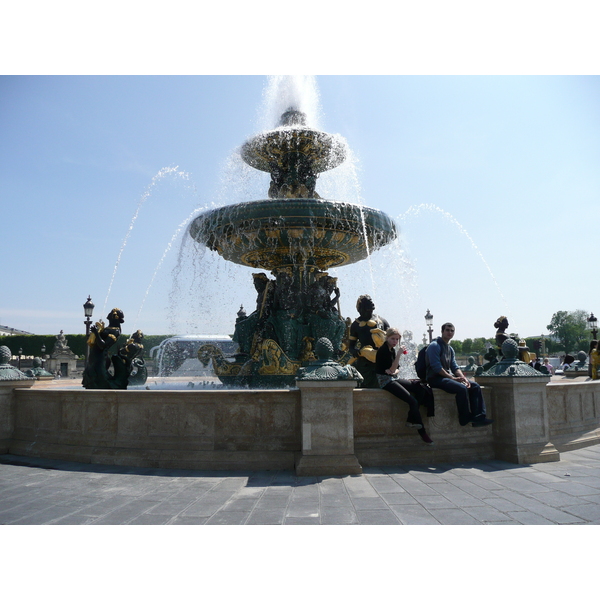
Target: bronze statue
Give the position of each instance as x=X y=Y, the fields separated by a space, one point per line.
x=129 y=366
x=38 y=370
x=102 y=338
x=501 y=325
x=367 y=333
x=322 y=316
x=250 y=330
x=325 y=368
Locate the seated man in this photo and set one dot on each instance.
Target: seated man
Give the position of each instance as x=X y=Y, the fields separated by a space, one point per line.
x=444 y=373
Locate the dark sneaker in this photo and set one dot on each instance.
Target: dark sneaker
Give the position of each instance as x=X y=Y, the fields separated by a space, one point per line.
x=414 y=425
x=425 y=437
x=482 y=422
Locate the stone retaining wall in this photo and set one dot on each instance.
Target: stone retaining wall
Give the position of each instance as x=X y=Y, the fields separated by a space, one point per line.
x=574 y=409
x=170 y=429
x=258 y=429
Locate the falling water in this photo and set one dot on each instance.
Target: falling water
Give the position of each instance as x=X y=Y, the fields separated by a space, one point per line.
x=200 y=274
x=159 y=176
x=160 y=262
x=415 y=211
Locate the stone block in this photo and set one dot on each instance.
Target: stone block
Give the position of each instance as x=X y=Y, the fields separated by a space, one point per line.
x=521 y=419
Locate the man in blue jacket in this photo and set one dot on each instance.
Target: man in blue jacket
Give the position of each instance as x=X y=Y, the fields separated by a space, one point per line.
x=445 y=374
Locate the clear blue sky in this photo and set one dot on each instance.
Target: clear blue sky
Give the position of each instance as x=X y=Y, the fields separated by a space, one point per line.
x=494 y=181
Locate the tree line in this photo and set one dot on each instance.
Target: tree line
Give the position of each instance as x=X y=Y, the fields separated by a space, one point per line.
x=568 y=334
x=32 y=344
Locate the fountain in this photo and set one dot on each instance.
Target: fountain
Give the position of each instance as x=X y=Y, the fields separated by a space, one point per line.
x=297 y=236
x=322 y=425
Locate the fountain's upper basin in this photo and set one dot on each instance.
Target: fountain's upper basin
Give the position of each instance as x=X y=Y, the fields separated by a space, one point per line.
x=270 y=234
x=294 y=145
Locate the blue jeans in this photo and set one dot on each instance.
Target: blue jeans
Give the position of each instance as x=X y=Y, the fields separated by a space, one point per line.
x=469 y=401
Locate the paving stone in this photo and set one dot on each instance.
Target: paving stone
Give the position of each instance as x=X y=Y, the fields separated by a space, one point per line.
x=242 y=503
x=265 y=517
x=399 y=498
x=475 y=490
x=186 y=520
x=414 y=487
x=520 y=484
x=377 y=517
x=529 y=518
x=368 y=503
x=413 y=515
x=334 y=515
x=486 y=514
x=339 y=499
x=503 y=505
x=302 y=521
x=302 y=509
x=436 y=501
x=572 y=488
x=126 y=513
x=483 y=482
x=359 y=487
x=175 y=506
x=41 y=517
x=453 y=516
x=559 y=499
x=229 y=517
x=147 y=519
x=491 y=492
x=587 y=512
x=384 y=484
x=269 y=502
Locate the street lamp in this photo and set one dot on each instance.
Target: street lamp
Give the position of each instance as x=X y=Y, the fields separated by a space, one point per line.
x=592 y=325
x=88 y=309
x=543 y=338
x=429 y=323
x=43 y=350
x=20 y=353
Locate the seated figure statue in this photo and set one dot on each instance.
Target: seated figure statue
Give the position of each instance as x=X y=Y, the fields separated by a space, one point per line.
x=38 y=371
x=470 y=365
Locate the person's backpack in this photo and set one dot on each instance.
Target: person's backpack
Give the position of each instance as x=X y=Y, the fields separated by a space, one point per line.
x=421 y=363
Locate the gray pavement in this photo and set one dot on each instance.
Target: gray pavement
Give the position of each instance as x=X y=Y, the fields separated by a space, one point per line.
x=43 y=491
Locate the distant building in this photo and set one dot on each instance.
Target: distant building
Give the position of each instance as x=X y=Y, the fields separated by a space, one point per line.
x=12 y=331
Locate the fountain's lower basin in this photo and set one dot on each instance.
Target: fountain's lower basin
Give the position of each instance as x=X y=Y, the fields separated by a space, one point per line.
x=269 y=234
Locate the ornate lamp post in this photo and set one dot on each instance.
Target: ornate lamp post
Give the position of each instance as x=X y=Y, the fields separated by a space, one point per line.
x=88 y=309
x=543 y=338
x=592 y=325
x=43 y=351
x=20 y=353
x=429 y=323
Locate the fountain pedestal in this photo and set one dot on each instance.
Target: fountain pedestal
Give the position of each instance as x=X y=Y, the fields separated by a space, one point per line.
x=521 y=421
x=327 y=410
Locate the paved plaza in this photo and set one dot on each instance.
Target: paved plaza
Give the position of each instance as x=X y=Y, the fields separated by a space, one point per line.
x=43 y=491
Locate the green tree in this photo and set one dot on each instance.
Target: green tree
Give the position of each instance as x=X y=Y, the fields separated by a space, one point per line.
x=569 y=328
x=458 y=347
x=467 y=346
x=479 y=345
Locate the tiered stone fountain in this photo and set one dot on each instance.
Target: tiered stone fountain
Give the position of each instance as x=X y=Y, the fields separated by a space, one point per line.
x=296 y=235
